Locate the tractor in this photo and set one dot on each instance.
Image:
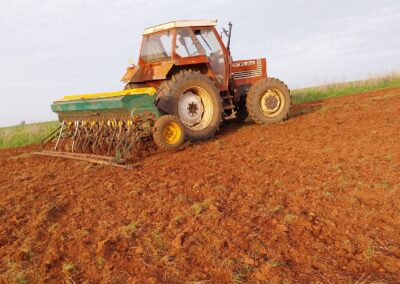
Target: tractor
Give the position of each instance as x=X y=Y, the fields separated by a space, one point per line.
x=185 y=85
x=198 y=82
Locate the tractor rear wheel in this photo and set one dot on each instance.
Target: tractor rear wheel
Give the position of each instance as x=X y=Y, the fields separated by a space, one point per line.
x=268 y=101
x=169 y=133
x=195 y=100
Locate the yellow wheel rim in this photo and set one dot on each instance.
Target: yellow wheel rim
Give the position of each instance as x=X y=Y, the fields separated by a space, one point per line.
x=172 y=133
x=272 y=102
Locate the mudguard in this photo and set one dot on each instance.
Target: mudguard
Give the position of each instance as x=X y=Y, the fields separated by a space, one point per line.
x=139 y=74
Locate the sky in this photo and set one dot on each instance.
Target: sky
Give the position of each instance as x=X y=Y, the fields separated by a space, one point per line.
x=53 y=48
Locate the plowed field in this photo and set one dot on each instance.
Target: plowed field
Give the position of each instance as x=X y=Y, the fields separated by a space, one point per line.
x=315 y=199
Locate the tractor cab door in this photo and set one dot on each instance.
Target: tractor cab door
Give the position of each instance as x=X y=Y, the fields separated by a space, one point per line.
x=214 y=51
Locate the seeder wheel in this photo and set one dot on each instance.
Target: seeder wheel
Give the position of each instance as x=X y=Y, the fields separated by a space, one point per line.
x=169 y=133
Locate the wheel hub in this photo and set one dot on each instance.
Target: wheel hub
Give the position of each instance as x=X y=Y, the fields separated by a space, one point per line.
x=270 y=102
x=172 y=133
x=190 y=108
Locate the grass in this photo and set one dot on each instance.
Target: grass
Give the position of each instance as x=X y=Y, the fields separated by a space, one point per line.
x=342 y=89
x=199 y=207
x=369 y=252
x=289 y=218
x=67 y=267
x=28 y=134
x=131 y=228
x=277 y=209
x=20 y=278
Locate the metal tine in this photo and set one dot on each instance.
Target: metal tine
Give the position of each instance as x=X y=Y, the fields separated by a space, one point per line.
x=65 y=135
x=102 y=137
x=118 y=136
x=93 y=136
x=97 y=137
x=112 y=141
x=80 y=138
x=106 y=136
x=88 y=137
x=59 y=135
x=131 y=144
x=75 y=136
x=123 y=135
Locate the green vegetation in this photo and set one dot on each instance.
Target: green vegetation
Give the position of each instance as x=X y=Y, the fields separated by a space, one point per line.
x=341 y=89
x=22 y=135
x=67 y=267
x=289 y=218
x=131 y=228
x=21 y=278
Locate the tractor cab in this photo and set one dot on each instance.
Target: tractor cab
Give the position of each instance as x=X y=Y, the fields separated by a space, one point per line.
x=169 y=47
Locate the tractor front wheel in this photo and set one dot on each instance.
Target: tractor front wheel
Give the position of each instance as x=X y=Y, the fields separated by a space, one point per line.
x=268 y=101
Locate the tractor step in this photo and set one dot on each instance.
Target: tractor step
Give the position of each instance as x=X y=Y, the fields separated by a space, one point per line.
x=228 y=106
x=227 y=103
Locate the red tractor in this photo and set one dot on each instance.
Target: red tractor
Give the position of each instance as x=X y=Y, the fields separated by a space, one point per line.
x=198 y=82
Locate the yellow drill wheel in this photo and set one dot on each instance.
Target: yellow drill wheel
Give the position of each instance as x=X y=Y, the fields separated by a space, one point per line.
x=169 y=133
x=172 y=133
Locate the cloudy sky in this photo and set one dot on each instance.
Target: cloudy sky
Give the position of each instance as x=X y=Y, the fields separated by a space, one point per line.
x=52 y=48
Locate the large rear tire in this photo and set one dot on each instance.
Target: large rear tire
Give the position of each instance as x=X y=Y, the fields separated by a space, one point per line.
x=195 y=100
x=268 y=101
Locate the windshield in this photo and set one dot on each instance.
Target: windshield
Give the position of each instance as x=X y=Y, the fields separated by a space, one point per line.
x=214 y=52
x=209 y=42
x=157 y=46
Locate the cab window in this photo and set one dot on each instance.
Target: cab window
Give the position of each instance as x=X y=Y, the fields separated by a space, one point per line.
x=157 y=46
x=208 y=41
x=185 y=45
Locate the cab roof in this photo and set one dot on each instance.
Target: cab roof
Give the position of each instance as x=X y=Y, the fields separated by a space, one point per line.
x=180 y=24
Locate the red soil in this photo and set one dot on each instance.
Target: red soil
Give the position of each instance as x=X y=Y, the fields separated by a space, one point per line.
x=313 y=199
